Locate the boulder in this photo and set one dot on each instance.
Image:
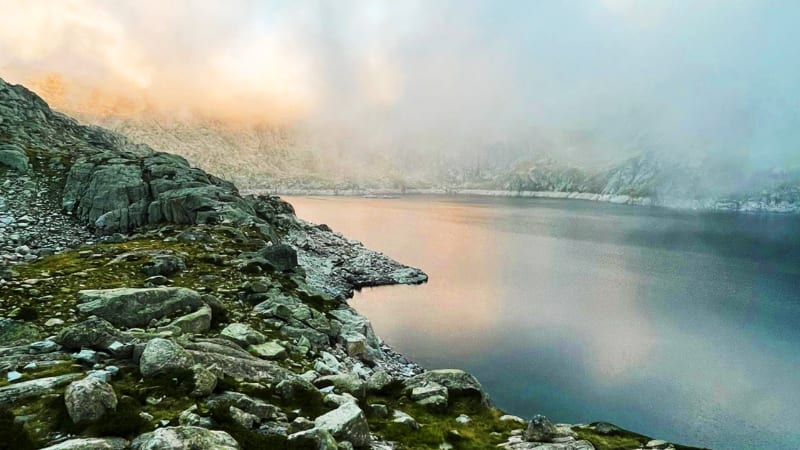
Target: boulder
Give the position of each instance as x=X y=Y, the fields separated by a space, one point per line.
x=268 y=350
x=405 y=419
x=313 y=438
x=89 y=400
x=205 y=381
x=243 y=334
x=91 y=444
x=282 y=257
x=459 y=384
x=346 y=423
x=94 y=333
x=137 y=307
x=164 y=357
x=185 y=438
x=13 y=157
x=540 y=429
x=194 y=323
x=348 y=383
x=163 y=265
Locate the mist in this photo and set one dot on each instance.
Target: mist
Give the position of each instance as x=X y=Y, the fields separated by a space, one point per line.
x=586 y=82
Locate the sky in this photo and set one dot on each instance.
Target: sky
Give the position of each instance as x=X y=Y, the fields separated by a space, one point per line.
x=587 y=80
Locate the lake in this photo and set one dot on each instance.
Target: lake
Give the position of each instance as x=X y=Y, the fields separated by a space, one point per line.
x=680 y=325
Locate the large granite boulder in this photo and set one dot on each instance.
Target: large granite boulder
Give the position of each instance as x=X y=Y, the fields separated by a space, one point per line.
x=137 y=307
x=89 y=400
x=346 y=423
x=164 y=357
x=185 y=438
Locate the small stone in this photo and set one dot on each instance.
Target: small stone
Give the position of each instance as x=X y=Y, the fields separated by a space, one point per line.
x=268 y=350
x=54 y=322
x=86 y=356
x=463 y=419
x=13 y=376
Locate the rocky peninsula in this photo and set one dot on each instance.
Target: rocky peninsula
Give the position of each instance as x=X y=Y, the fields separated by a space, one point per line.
x=147 y=304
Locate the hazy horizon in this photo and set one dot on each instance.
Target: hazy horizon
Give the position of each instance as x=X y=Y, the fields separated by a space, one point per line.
x=585 y=81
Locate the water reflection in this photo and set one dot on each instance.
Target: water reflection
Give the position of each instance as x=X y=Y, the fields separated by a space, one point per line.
x=680 y=325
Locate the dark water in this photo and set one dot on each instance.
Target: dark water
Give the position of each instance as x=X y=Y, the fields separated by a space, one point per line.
x=685 y=326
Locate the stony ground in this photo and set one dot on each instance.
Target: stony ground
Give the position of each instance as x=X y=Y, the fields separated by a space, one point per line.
x=145 y=304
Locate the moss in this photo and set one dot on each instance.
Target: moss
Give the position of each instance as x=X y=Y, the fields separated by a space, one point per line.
x=485 y=429
x=15 y=436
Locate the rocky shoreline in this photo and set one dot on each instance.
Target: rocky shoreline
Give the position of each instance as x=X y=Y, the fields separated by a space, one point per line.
x=146 y=304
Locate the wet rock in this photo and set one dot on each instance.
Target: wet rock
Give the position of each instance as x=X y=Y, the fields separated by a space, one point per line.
x=164 y=357
x=89 y=400
x=137 y=307
x=185 y=438
x=346 y=423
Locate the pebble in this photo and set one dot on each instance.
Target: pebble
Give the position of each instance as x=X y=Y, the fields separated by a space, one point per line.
x=13 y=376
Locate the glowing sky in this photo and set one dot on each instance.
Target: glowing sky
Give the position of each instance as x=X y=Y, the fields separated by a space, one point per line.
x=715 y=76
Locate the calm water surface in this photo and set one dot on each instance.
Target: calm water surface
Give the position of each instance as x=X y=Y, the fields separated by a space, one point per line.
x=679 y=325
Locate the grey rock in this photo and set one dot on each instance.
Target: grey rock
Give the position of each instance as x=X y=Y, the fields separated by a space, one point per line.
x=283 y=257
x=313 y=438
x=244 y=419
x=164 y=357
x=404 y=419
x=89 y=400
x=268 y=350
x=346 y=423
x=205 y=381
x=194 y=323
x=243 y=334
x=165 y=264
x=540 y=429
x=94 y=333
x=185 y=438
x=13 y=157
x=379 y=381
x=300 y=423
x=458 y=383
x=348 y=383
x=91 y=444
x=137 y=307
